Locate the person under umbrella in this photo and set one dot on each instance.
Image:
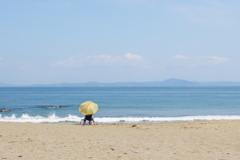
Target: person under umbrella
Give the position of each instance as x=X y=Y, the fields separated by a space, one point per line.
x=88 y=109
x=89 y=118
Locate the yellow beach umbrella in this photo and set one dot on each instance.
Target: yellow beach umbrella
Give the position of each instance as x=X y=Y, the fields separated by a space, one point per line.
x=88 y=108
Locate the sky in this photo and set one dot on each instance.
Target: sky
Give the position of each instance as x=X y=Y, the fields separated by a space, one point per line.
x=59 y=41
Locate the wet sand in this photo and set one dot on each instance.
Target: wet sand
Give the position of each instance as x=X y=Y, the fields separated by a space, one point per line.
x=218 y=140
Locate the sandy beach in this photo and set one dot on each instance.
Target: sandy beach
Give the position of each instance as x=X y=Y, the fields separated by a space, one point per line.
x=218 y=140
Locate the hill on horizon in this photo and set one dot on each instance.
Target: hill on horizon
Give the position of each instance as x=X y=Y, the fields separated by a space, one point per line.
x=167 y=82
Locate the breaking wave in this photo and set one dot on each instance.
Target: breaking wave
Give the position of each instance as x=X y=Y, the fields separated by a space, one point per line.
x=72 y=119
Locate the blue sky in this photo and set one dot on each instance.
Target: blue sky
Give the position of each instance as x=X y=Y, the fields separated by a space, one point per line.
x=57 y=41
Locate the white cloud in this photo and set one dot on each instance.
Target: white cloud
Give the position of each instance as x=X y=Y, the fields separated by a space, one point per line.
x=133 y=57
x=0 y=58
x=182 y=61
x=103 y=60
x=180 y=57
x=216 y=60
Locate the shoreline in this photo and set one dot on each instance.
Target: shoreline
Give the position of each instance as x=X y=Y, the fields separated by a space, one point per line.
x=75 y=119
x=176 y=140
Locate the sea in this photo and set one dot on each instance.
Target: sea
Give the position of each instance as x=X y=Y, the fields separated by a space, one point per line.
x=120 y=104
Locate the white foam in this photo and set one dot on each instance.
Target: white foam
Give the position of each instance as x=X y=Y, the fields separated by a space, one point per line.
x=110 y=120
x=164 y=119
x=39 y=119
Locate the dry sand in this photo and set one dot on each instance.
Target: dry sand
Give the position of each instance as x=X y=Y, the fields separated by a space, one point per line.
x=213 y=140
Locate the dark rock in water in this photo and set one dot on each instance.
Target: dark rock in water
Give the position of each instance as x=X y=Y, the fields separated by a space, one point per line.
x=60 y=106
x=5 y=110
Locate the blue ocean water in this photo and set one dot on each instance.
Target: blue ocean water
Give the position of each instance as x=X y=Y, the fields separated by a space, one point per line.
x=120 y=104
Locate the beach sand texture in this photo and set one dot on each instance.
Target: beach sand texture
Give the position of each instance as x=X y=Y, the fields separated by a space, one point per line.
x=213 y=140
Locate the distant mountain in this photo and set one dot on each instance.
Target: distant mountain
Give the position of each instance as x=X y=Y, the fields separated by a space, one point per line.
x=179 y=82
x=5 y=85
x=167 y=82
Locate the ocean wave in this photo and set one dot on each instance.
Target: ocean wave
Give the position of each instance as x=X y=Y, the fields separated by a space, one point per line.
x=72 y=119
x=39 y=119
